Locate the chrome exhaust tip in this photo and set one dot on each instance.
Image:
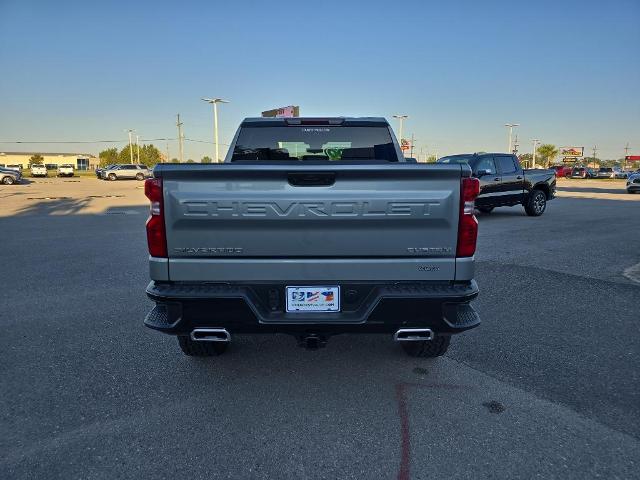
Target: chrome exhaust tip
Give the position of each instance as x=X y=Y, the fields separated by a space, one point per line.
x=210 y=335
x=413 y=335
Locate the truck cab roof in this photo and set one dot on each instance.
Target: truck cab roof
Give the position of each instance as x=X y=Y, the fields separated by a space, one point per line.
x=334 y=121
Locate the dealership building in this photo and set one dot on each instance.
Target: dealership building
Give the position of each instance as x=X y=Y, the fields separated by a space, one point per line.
x=80 y=161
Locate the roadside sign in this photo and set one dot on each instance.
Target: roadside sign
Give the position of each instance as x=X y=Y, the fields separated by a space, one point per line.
x=572 y=151
x=283 y=112
x=632 y=158
x=405 y=144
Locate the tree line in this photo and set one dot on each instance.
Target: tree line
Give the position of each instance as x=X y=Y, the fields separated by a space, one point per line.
x=149 y=156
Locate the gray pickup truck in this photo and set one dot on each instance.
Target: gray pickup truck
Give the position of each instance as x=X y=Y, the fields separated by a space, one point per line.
x=312 y=227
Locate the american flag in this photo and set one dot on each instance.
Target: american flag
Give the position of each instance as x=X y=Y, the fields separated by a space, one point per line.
x=313 y=296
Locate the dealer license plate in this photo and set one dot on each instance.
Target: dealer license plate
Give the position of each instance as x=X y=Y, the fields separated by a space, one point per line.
x=313 y=299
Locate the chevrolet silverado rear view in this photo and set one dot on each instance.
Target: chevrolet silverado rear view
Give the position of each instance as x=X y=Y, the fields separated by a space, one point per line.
x=312 y=227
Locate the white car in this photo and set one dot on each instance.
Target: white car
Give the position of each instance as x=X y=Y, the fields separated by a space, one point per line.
x=66 y=171
x=38 y=171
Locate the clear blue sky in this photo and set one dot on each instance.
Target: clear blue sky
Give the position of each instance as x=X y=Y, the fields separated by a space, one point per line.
x=567 y=71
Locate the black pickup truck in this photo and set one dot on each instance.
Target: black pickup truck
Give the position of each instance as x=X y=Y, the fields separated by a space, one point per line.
x=504 y=183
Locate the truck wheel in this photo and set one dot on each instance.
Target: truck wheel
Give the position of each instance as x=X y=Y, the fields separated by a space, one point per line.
x=536 y=204
x=428 y=348
x=7 y=180
x=201 y=349
x=112 y=177
x=485 y=209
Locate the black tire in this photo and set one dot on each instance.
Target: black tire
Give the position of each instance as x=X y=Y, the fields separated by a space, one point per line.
x=485 y=209
x=8 y=180
x=428 y=348
x=201 y=349
x=139 y=176
x=112 y=177
x=536 y=203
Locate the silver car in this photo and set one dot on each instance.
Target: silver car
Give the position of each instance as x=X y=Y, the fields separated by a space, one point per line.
x=605 y=172
x=633 y=183
x=9 y=176
x=127 y=171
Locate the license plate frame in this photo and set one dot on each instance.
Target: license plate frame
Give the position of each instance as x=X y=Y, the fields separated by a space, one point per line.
x=315 y=299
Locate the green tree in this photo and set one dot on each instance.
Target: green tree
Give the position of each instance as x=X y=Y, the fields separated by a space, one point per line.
x=547 y=153
x=206 y=159
x=175 y=160
x=125 y=157
x=108 y=156
x=190 y=161
x=149 y=155
x=36 y=159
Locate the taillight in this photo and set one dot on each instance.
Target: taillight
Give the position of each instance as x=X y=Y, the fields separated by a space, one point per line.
x=467 y=223
x=156 y=233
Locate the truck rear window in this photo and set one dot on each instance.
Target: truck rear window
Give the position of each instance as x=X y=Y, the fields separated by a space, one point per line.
x=310 y=142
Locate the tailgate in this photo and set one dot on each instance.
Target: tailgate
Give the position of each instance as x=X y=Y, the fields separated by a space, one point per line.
x=315 y=222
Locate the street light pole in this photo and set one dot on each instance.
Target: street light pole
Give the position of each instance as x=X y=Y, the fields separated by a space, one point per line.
x=180 y=144
x=510 y=125
x=130 y=146
x=138 y=147
x=535 y=147
x=215 y=102
x=401 y=119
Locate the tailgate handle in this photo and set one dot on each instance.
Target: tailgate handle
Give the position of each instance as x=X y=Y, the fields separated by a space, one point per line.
x=312 y=179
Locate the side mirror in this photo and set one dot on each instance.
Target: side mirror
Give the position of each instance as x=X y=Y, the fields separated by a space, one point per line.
x=410 y=160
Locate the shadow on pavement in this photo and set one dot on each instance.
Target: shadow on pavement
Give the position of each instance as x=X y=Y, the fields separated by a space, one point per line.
x=55 y=206
x=616 y=191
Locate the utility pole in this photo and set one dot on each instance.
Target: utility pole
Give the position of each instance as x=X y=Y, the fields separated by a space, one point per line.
x=168 y=159
x=535 y=148
x=626 y=154
x=130 y=146
x=180 y=145
x=138 y=147
x=401 y=119
x=412 y=141
x=510 y=126
x=595 y=150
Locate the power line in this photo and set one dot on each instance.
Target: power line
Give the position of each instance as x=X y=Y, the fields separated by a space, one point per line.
x=204 y=141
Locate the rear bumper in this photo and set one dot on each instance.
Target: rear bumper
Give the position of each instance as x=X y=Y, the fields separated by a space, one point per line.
x=259 y=308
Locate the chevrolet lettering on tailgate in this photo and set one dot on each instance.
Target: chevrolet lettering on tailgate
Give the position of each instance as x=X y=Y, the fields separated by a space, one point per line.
x=305 y=209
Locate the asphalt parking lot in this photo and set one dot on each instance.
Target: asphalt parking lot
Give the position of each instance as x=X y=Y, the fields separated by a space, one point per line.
x=548 y=386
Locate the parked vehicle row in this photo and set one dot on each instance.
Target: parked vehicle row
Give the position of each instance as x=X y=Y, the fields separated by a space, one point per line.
x=586 y=172
x=40 y=170
x=124 y=171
